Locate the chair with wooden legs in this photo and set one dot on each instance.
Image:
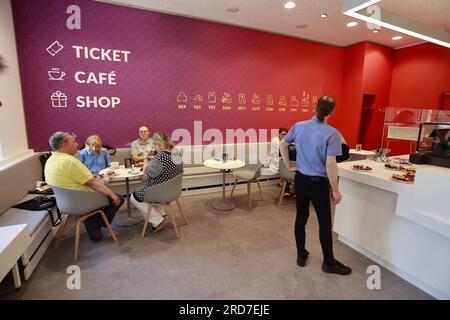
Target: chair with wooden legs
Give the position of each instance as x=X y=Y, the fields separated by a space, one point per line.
x=81 y=205
x=288 y=176
x=162 y=195
x=249 y=173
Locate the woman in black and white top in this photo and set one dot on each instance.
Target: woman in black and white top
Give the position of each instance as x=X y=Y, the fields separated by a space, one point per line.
x=166 y=165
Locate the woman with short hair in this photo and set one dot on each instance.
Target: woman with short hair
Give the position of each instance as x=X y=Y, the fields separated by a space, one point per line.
x=93 y=156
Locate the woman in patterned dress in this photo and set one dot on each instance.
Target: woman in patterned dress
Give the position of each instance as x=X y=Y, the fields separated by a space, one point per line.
x=166 y=165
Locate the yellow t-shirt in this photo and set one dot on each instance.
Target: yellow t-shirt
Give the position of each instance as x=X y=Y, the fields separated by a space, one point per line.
x=65 y=171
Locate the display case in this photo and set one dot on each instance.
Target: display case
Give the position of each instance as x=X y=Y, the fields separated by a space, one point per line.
x=433 y=144
x=402 y=125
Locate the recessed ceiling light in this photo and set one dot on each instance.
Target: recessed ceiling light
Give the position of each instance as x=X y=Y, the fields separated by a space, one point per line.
x=289 y=5
x=397 y=38
x=352 y=24
x=301 y=26
x=375 y=31
x=233 y=9
x=324 y=15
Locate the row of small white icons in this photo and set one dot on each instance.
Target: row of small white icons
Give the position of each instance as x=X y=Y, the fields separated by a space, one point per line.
x=58 y=98
x=55 y=73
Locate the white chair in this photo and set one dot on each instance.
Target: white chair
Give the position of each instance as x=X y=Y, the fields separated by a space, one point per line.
x=163 y=194
x=249 y=173
x=81 y=205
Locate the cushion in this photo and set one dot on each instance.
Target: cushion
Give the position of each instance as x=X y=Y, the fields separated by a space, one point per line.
x=32 y=219
x=192 y=171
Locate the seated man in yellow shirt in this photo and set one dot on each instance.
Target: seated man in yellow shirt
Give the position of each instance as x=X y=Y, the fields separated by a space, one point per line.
x=63 y=170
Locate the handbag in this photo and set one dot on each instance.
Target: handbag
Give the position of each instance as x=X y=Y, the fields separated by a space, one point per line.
x=41 y=203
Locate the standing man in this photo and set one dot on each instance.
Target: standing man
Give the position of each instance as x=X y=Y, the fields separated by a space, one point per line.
x=317 y=145
x=142 y=148
x=63 y=170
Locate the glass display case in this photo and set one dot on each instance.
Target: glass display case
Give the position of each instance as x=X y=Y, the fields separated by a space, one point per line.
x=402 y=125
x=433 y=144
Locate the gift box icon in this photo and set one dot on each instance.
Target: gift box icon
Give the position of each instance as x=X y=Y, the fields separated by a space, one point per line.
x=59 y=99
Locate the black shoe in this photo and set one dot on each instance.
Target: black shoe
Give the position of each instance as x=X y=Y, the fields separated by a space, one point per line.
x=301 y=260
x=337 y=268
x=93 y=230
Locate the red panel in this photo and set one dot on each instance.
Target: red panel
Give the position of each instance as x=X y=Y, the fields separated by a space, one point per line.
x=420 y=76
x=347 y=115
x=377 y=75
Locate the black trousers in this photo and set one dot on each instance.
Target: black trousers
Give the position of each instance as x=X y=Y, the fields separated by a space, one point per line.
x=316 y=190
x=110 y=211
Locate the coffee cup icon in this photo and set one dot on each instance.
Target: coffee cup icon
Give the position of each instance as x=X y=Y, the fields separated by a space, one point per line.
x=56 y=74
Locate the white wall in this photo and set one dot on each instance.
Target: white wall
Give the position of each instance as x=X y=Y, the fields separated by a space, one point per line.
x=13 y=139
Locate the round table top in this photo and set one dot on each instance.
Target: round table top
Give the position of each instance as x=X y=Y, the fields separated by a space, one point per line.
x=362 y=152
x=122 y=173
x=219 y=164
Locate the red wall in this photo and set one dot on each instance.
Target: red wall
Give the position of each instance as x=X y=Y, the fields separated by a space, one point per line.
x=172 y=61
x=347 y=115
x=411 y=77
x=367 y=71
x=377 y=74
x=421 y=74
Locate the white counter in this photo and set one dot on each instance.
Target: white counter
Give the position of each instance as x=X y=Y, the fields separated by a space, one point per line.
x=404 y=227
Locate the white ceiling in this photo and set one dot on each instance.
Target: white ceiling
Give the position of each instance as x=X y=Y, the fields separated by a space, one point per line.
x=271 y=16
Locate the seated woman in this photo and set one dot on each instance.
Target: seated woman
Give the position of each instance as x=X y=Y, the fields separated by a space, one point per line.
x=166 y=165
x=93 y=156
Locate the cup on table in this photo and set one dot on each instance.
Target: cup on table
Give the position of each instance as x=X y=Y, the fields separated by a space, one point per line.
x=359 y=147
x=115 y=165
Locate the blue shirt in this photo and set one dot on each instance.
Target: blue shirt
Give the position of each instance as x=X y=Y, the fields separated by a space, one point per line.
x=96 y=162
x=314 y=141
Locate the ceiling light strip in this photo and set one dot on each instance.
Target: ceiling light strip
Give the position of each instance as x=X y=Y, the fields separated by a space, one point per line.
x=350 y=8
x=400 y=29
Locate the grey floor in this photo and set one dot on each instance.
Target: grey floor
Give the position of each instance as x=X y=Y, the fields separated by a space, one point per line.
x=241 y=254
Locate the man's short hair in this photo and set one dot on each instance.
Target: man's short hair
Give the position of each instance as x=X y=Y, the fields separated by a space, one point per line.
x=281 y=130
x=57 y=139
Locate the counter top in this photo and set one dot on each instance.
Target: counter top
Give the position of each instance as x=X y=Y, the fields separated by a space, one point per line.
x=426 y=201
x=403 y=227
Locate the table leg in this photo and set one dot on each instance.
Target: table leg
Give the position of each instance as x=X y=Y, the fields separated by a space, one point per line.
x=224 y=204
x=127 y=184
x=16 y=276
x=129 y=220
